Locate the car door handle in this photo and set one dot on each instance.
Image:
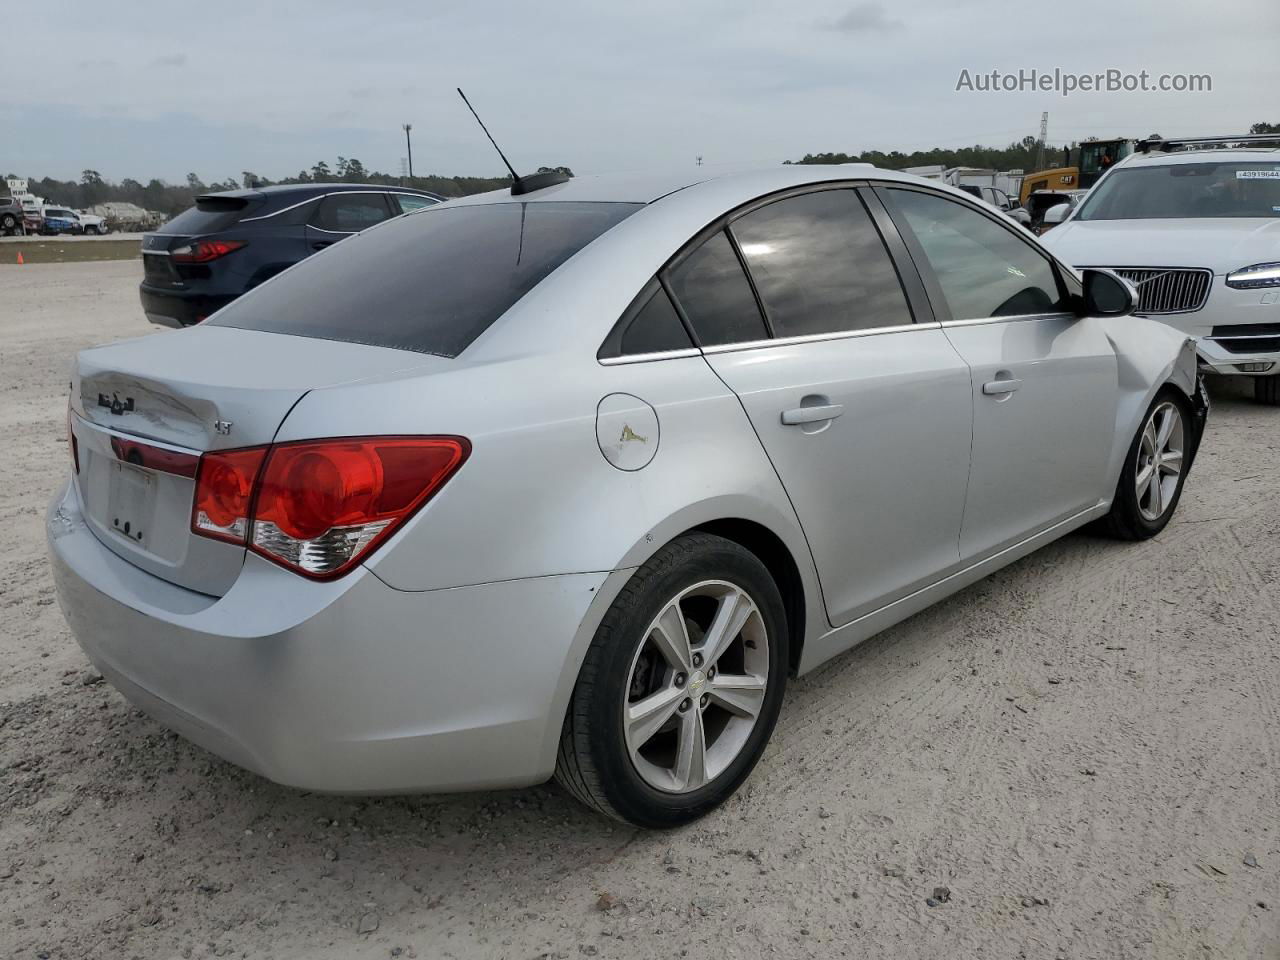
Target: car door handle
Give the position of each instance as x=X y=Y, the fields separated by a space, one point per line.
x=321 y=244
x=997 y=387
x=812 y=414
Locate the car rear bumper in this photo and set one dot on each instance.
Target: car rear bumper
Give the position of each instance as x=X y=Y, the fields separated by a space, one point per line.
x=178 y=308
x=345 y=687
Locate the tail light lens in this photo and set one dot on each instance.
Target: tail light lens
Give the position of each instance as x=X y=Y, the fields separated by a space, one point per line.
x=204 y=251
x=319 y=507
x=224 y=493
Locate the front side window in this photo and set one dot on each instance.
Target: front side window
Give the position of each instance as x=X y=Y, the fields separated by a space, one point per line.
x=432 y=282
x=1186 y=191
x=716 y=295
x=820 y=266
x=411 y=201
x=983 y=268
x=351 y=212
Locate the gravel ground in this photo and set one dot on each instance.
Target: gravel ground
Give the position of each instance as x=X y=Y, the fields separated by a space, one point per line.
x=1082 y=750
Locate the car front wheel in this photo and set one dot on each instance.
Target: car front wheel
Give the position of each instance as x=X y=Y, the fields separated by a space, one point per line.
x=680 y=688
x=1154 y=470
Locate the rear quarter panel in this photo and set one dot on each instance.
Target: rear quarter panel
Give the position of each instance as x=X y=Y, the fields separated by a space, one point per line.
x=537 y=496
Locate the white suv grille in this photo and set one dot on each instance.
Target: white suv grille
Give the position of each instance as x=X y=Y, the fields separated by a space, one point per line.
x=1168 y=289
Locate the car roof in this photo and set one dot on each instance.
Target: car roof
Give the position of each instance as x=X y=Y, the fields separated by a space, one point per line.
x=1224 y=154
x=301 y=191
x=650 y=187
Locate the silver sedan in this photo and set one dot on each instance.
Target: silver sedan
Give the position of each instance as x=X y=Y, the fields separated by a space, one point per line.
x=570 y=482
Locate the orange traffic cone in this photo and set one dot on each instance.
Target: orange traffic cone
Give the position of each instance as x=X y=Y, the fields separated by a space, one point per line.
x=20 y=260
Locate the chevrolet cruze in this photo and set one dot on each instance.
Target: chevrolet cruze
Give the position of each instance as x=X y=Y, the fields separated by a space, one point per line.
x=570 y=481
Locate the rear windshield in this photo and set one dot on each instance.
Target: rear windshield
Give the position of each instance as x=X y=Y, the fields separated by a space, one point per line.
x=430 y=281
x=209 y=215
x=1186 y=190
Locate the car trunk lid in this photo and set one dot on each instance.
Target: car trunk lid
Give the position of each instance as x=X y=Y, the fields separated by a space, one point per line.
x=144 y=410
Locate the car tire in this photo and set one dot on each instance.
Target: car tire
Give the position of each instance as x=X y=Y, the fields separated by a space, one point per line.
x=1267 y=390
x=1140 y=511
x=642 y=767
x=8 y=225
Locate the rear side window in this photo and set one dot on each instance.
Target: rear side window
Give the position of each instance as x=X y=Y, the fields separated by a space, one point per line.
x=820 y=266
x=650 y=325
x=209 y=215
x=351 y=212
x=716 y=295
x=432 y=282
x=983 y=268
x=411 y=201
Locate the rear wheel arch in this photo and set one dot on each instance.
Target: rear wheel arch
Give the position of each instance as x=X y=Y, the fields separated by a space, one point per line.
x=770 y=549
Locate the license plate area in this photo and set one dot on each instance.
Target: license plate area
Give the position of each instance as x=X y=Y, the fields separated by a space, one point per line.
x=131 y=503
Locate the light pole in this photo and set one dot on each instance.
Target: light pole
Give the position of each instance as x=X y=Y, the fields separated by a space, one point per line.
x=409 y=146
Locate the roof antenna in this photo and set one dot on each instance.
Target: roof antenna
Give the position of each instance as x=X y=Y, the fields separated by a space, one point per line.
x=519 y=185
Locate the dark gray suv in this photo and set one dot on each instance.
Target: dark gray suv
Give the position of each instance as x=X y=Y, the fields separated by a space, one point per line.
x=10 y=216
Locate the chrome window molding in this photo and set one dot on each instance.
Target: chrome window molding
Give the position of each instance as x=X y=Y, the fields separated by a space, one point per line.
x=336 y=193
x=819 y=337
x=682 y=353
x=1014 y=318
x=765 y=344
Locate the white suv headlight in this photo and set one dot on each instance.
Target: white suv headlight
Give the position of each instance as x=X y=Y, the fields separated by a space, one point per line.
x=1258 y=275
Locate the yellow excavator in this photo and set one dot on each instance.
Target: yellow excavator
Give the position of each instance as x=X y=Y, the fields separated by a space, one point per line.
x=1081 y=167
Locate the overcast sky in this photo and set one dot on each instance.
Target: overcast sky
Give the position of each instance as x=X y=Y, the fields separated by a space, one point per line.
x=143 y=89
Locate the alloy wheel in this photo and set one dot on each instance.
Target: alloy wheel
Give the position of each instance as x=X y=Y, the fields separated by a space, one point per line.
x=1160 y=458
x=696 y=687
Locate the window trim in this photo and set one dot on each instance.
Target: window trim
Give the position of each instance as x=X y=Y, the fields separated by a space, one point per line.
x=938 y=300
x=909 y=278
x=380 y=194
x=611 y=347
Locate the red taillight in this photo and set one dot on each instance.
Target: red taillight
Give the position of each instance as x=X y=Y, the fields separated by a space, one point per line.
x=204 y=251
x=224 y=493
x=322 y=506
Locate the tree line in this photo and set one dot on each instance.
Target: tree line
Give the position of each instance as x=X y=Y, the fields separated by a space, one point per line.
x=171 y=199
x=1023 y=155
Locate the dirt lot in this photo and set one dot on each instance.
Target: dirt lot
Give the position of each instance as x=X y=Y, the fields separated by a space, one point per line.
x=1085 y=749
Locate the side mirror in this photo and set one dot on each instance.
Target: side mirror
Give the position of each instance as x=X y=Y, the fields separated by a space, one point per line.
x=1107 y=294
x=1055 y=214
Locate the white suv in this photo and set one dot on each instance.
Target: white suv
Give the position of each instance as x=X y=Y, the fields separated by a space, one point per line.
x=1198 y=233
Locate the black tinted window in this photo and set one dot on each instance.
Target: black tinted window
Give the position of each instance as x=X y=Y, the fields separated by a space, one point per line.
x=351 y=212
x=985 y=269
x=820 y=266
x=650 y=325
x=210 y=214
x=1186 y=190
x=430 y=282
x=716 y=295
